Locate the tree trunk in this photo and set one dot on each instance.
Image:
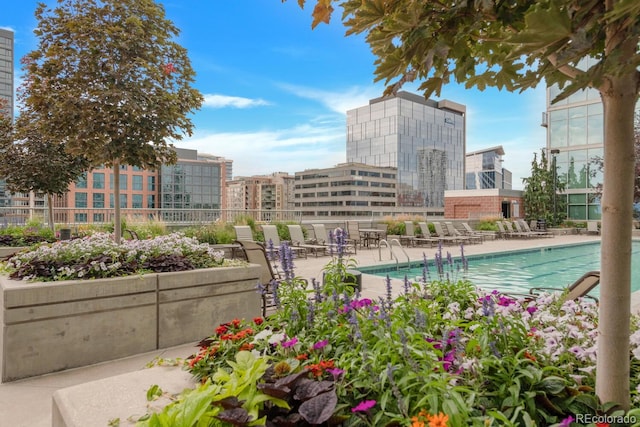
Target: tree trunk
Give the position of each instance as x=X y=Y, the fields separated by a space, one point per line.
x=612 y=375
x=117 y=225
x=52 y=224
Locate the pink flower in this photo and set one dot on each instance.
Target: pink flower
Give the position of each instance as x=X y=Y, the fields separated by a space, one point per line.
x=320 y=344
x=336 y=372
x=566 y=422
x=364 y=406
x=289 y=343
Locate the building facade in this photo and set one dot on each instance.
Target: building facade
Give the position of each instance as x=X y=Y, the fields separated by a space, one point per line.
x=6 y=71
x=424 y=140
x=190 y=190
x=484 y=170
x=575 y=139
x=346 y=190
x=6 y=94
x=264 y=194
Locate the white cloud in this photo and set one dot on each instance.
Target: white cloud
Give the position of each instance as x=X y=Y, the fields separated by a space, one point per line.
x=337 y=101
x=264 y=152
x=222 y=101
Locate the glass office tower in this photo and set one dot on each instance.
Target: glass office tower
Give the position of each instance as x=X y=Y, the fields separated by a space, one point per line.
x=423 y=139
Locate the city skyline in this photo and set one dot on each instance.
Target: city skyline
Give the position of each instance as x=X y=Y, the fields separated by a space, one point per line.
x=276 y=92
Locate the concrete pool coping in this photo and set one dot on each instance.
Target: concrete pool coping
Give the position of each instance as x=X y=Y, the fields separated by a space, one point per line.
x=28 y=403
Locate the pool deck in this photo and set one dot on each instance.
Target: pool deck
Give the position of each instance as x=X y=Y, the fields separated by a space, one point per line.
x=27 y=403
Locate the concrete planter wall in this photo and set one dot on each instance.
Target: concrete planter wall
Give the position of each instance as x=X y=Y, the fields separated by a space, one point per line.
x=6 y=251
x=52 y=326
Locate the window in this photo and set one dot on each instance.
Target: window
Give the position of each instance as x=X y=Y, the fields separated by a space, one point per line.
x=123 y=200
x=123 y=182
x=98 y=217
x=98 y=200
x=136 y=182
x=82 y=181
x=98 y=180
x=81 y=200
x=151 y=201
x=136 y=201
x=151 y=183
x=80 y=217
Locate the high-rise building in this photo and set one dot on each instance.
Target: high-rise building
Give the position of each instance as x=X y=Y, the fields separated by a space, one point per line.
x=6 y=70
x=6 y=94
x=424 y=139
x=575 y=139
x=484 y=170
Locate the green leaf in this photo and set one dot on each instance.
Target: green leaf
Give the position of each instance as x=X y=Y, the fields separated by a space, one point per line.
x=154 y=392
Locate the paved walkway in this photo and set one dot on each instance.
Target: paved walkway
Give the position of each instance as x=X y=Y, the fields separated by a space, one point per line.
x=27 y=403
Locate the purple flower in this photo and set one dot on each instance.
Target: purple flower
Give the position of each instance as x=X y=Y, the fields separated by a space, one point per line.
x=320 y=344
x=532 y=309
x=437 y=345
x=364 y=406
x=566 y=422
x=336 y=372
x=290 y=343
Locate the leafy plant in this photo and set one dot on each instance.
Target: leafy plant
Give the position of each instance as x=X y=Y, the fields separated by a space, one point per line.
x=442 y=352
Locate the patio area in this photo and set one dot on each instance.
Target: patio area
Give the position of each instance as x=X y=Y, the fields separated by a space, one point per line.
x=28 y=402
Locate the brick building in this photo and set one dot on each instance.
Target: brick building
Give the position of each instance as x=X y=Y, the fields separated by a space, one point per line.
x=487 y=203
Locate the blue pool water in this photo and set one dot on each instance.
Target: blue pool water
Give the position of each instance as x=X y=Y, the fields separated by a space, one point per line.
x=518 y=271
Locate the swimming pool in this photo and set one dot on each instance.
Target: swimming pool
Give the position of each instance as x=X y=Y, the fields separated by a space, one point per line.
x=518 y=271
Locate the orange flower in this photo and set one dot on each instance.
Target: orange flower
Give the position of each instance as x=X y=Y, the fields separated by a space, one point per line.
x=529 y=356
x=415 y=422
x=302 y=356
x=246 y=346
x=439 y=420
x=235 y=323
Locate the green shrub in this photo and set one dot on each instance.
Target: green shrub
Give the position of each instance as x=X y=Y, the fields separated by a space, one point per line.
x=487 y=225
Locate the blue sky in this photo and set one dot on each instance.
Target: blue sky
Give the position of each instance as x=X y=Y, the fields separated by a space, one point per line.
x=276 y=92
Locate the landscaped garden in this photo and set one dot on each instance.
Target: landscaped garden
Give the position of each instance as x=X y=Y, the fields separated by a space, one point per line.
x=441 y=354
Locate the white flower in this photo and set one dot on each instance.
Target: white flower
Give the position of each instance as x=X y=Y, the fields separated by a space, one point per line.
x=277 y=338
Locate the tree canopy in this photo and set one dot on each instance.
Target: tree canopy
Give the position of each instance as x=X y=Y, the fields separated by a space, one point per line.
x=541 y=190
x=112 y=83
x=31 y=163
x=517 y=45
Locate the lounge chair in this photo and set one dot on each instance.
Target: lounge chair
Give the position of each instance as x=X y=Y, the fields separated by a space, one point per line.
x=513 y=233
x=243 y=232
x=453 y=231
x=323 y=237
x=444 y=237
x=528 y=229
x=579 y=288
x=256 y=254
x=521 y=231
x=298 y=240
x=409 y=236
x=468 y=231
x=271 y=235
x=410 y=231
x=426 y=234
x=353 y=233
x=592 y=227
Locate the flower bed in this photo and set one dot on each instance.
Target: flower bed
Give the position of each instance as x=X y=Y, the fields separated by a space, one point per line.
x=441 y=354
x=55 y=325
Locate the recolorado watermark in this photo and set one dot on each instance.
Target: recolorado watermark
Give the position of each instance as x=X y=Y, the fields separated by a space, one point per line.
x=606 y=419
